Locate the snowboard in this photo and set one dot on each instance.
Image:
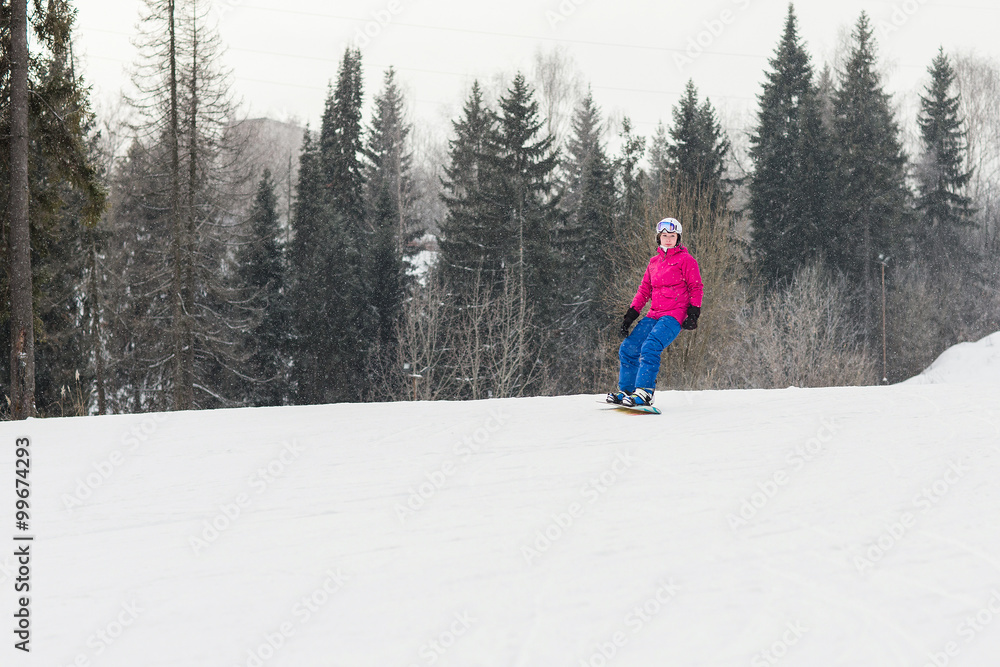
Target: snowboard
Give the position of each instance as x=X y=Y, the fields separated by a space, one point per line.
x=648 y=409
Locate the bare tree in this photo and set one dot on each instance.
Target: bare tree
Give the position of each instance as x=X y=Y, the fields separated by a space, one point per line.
x=426 y=342
x=978 y=82
x=430 y=152
x=486 y=347
x=559 y=87
x=269 y=145
x=802 y=335
x=176 y=320
x=512 y=345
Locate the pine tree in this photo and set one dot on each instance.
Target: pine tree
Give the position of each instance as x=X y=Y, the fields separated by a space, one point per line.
x=659 y=160
x=136 y=265
x=189 y=168
x=387 y=199
x=583 y=243
x=66 y=197
x=790 y=190
x=589 y=202
x=324 y=284
x=470 y=229
x=940 y=175
x=333 y=322
x=340 y=143
x=698 y=146
x=631 y=181
x=260 y=274
x=523 y=190
x=872 y=199
x=825 y=88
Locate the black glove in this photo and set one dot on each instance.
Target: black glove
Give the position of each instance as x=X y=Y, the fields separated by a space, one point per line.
x=627 y=321
x=691 y=321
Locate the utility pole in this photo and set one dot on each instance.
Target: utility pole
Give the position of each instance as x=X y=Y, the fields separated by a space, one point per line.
x=22 y=320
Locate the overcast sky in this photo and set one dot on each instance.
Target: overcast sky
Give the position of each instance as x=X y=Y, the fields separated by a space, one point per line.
x=636 y=54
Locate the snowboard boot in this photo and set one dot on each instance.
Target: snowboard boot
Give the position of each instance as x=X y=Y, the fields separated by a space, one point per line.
x=639 y=397
x=617 y=396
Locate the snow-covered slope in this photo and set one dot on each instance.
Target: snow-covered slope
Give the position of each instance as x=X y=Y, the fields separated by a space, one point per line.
x=844 y=526
x=966 y=363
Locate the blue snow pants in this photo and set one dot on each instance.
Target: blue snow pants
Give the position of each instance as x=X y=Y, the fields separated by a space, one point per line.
x=639 y=354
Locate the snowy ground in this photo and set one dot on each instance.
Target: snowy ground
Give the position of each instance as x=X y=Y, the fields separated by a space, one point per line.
x=845 y=526
x=966 y=363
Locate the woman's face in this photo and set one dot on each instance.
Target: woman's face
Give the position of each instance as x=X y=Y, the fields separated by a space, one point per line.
x=668 y=239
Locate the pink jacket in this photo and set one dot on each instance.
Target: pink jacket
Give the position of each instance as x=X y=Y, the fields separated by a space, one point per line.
x=673 y=280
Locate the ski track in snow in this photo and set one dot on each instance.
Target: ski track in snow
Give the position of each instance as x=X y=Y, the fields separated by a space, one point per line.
x=835 y=560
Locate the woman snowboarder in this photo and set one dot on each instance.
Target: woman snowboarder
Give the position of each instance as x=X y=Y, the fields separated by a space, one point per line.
x=673 y=281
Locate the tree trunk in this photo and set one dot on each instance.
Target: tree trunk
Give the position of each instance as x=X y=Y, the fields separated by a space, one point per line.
x=22 y=353
x=96 y=337
x=177 y=289
x=190 y=228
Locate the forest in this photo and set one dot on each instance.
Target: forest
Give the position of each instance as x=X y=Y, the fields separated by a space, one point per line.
x=181 y=258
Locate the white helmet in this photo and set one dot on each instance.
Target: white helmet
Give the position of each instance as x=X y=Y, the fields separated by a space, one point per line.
x=669 y=225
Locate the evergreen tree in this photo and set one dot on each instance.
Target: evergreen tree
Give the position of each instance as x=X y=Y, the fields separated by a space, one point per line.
x=260 y=273
x=65 y=197
x=177 y=330
x=630 y=180
x=324 y=284
x=333 y=322
x=824 y=91
x=659 y=160
x=583 y=243
x=387 y=198
x=940 y=175
x=137 y=263
x=698 y=147
x=523 y=190
x=496 y=246
x=589 y=202
x=872 y=199
x=790 y=188
x=341 y=143
x=473 y=221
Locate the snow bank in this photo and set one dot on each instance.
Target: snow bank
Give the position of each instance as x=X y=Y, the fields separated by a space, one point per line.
x=965 y=363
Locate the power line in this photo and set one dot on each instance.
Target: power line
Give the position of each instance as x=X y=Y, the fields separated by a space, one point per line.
x=493 y=33
x=402 y=68
x=418 y=100
x=561 y=40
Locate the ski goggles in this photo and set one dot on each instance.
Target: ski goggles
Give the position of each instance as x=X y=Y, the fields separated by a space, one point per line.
x=668 y=225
